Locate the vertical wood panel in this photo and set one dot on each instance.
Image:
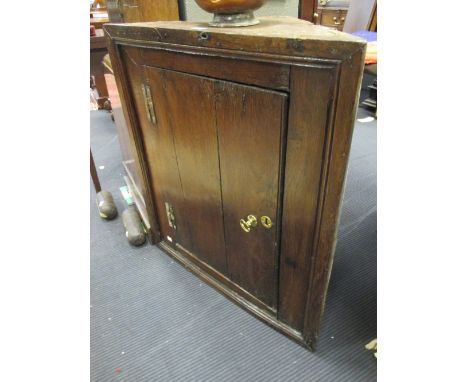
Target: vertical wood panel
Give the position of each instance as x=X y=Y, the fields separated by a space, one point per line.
x=250 y=124
x=308 y=115
x=127 y=147
x=333 y=185
x=134 y=130
x=187 y=107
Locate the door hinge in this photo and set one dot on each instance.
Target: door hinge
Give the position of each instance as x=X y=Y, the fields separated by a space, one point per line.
x=170 y=216
x=149 y=105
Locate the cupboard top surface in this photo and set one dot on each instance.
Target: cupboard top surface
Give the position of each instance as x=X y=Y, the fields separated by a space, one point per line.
x=272 y=35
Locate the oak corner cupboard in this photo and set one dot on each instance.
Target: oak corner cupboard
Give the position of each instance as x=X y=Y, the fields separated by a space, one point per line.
x=238 y=143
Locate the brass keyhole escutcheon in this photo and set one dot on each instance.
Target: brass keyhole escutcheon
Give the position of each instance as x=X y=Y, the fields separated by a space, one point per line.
x=248 y=224
x=266 y=222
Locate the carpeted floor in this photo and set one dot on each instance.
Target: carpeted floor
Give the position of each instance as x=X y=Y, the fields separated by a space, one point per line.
x=152 y=320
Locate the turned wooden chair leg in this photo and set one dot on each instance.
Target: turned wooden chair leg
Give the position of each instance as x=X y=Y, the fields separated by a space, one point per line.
x=94 y=175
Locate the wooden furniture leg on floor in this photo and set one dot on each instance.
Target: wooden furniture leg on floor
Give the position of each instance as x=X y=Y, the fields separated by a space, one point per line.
x=94 y=175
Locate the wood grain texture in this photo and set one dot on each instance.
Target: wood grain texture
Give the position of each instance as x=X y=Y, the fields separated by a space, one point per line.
x=250 y=124
x=266 y=75
x=131 y=11
x=332 y=184
x=307 y=8
x=258 y=149
x=128 y=149
x=224 y=279
x=308 y=118
x=285 y=36
x=131 y=120
x=157 y=145
x=151 y=10
x=187 y=108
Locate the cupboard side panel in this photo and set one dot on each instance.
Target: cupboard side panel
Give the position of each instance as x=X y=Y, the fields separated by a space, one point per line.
x=127 y=148
x=121 y=78
x=311 y=90
x=334 y=179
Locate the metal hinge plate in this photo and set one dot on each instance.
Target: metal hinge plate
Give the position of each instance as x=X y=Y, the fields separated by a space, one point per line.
x=170 y=215
x=149 y=105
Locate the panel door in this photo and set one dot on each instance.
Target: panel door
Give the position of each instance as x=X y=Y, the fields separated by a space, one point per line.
x=226 y=138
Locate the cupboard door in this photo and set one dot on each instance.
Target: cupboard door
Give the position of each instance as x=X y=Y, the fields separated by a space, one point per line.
x=186 y=111
x=250 y=126
x=227 y=141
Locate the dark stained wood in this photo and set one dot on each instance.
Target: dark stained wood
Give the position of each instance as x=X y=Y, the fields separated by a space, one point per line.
x=223 y=279
x=307 y=8
x=158 y=148
x=94 y=175
x=187 y=108
x=134 y=178
x=275 y=39
x=332 y=185
x=250 y=123
x=308 y=117
x=266 y=75
x=222 y=147
x=132 y=123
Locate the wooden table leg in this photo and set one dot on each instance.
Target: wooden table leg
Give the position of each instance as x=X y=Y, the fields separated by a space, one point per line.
x=94 y=175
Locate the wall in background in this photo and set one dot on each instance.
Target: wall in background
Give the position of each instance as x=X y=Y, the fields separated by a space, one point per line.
x=190 y=11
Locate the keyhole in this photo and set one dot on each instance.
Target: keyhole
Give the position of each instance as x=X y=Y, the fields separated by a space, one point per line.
x=204 y=36
x=266 y=222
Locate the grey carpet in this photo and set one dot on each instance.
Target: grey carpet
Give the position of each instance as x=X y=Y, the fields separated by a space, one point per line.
x=152 y=320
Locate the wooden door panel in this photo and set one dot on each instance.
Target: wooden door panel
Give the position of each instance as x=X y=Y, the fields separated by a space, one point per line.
x=250 y=124
x=214 y=153
x=187 y=108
